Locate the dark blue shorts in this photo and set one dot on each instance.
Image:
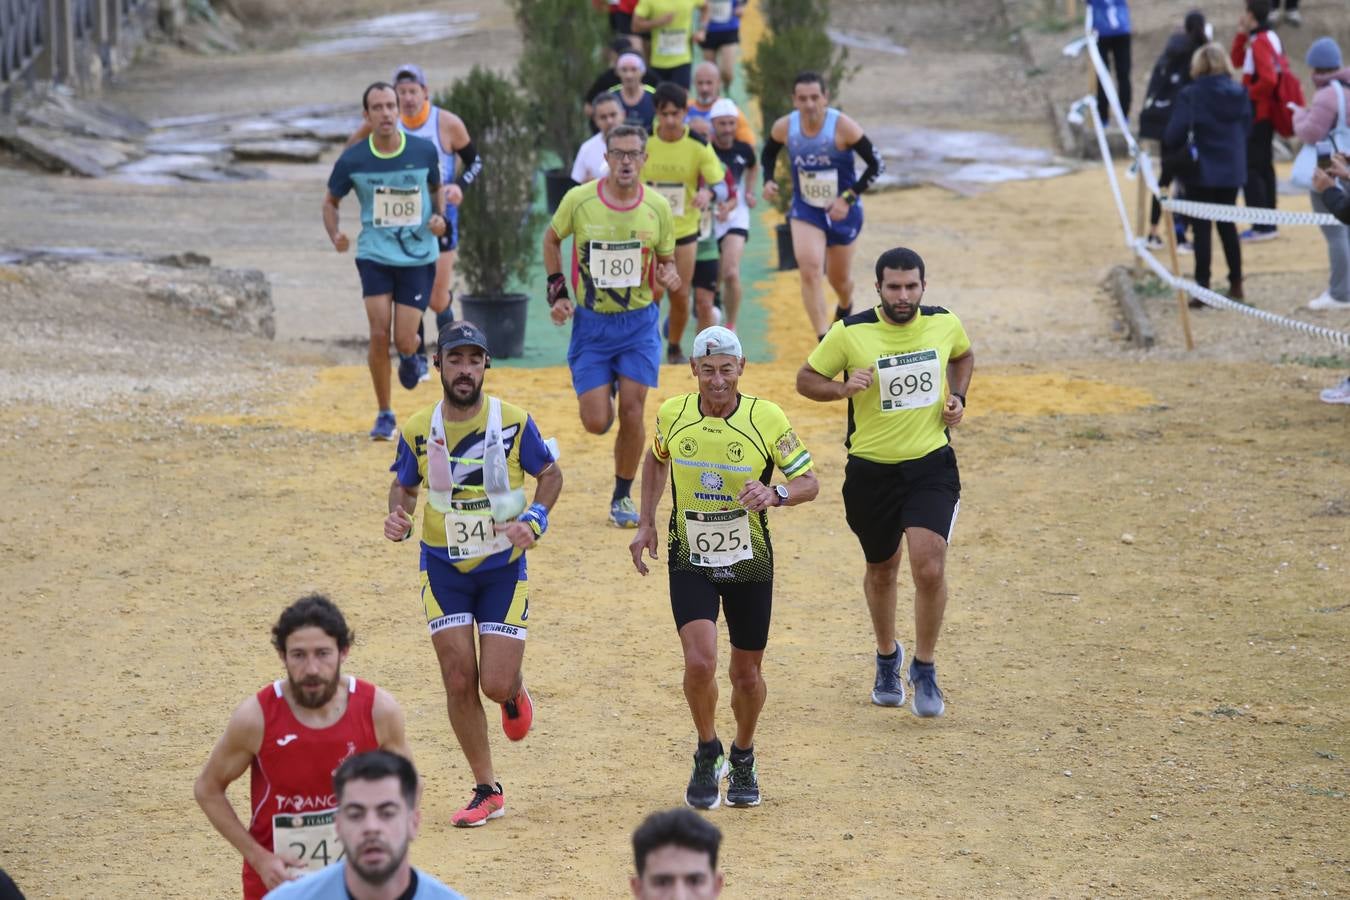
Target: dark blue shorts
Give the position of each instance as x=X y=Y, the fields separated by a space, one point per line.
x=410 y=285
x=608 y=345
x=680 y=74
x=717 y=39
x=836 y=233
x=498 y=600
x=450 y=240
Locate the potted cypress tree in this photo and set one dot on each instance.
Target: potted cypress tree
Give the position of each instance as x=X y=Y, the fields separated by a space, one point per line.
x=796 y=42
x=500 y=236
x=563 y=50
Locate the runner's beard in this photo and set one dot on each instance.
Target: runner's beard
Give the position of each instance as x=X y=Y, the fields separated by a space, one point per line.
x=896 y=311
x=381 y=874
x=304 y=691
x=454 y=398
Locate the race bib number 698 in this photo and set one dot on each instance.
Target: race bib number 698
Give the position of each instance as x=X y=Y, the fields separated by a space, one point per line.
x=909 y=380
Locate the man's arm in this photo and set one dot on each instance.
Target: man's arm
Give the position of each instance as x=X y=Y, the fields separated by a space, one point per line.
x=399 y=525
x=814 y=386
x=230 y=759
x=331 y=224
x=959 y=369
x=654 y=475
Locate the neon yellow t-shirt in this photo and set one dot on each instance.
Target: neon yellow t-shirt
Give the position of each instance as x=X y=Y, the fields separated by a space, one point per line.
x=712 y=459
x=899 y=417
x=671 y=43
x=673 y=169
x=615 y=247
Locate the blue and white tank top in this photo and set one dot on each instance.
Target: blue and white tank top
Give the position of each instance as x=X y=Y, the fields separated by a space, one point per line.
x=820 y=170
x=430 y=130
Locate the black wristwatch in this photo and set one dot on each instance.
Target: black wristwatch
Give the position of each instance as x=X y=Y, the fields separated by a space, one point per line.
x=962 y=396
x=781 y=491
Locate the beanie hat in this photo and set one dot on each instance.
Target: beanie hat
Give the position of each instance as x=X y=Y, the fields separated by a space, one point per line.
x=1324 y=54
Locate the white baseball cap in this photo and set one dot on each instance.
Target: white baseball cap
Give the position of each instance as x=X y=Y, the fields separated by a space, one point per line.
x=723 y=107
x=717 y=341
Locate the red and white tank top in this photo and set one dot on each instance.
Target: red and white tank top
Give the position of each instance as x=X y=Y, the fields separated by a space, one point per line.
x=292 y=777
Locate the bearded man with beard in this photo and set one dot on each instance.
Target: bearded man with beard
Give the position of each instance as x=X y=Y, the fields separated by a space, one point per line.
x=291 y=736
x=907 y=367
x=473 y=452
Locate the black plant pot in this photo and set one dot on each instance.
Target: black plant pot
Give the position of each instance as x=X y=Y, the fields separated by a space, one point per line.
x=502 y=318
x=557 y=182
x=786 y=258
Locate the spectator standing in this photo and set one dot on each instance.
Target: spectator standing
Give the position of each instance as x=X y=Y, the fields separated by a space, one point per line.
x=1314 y=126
x=1111 y=21
x=1291 y=13
x=1170 y=74
x=1256 y=52
x=1214 y=113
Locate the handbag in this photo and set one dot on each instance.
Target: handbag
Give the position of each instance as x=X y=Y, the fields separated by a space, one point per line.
x=1336 y=141
x=1184 y=161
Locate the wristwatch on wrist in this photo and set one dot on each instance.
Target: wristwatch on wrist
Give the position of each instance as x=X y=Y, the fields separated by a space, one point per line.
x=781 y=491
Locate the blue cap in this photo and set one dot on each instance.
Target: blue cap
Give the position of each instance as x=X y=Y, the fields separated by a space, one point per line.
x=1324 y=54
x=410 y=72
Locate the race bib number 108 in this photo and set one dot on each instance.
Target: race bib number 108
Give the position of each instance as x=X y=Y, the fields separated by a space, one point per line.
x=909 y=380
x=397 y=207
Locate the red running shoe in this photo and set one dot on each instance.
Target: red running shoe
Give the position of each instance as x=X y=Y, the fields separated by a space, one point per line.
x=488 y=803
x=518 y=715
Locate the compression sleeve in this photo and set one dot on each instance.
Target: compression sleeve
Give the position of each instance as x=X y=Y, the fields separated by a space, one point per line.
x=875 y=164
x=473 y=165
x=769 y=157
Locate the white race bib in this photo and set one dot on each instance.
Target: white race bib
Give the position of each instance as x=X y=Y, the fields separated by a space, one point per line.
x=819 y=188
x=705 y=223
x=719 y=10
x=672 y=42
x=673 y=191
x=468 y=530
x=312 y=837
x=909 y=381
x=397 y=207
x=616 y=264
x=718 y=539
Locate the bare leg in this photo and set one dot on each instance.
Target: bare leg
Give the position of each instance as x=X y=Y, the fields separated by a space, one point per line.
x=499 y=667
x=632 y=437
x=445 y=279
x=379 y=316
x=808 y=245
x=747 y=693
x=879 y=588
x=703 y=307
x=597 y=409
x=679 y=299
x=459 y=672
x=838 y=270
x=927 y=563
x=406 y=320
x=733 y=247
x=699 y=640
x=726 y=64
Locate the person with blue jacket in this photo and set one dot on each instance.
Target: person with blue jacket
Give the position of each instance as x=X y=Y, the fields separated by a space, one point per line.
x=1111 y=21
x=1214 y=114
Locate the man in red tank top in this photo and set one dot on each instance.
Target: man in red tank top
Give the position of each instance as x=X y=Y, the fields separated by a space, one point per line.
x=291 y=736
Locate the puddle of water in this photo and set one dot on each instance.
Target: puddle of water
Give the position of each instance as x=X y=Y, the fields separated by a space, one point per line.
x=165 y=164
x=971 y=156
x=865 y=42
x=399 y=28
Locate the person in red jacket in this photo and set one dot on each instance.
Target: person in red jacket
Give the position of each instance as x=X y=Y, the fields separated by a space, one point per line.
x=1256 y=52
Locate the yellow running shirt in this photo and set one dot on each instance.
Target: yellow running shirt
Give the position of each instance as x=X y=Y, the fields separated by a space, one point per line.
x=614 y=247
x=712 y=459
x=671 y=43
x=899 y=417
x=673 y=169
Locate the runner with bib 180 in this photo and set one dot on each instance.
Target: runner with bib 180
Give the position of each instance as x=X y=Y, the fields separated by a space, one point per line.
x=719 y=447
x=908 y=369
x=826 y=215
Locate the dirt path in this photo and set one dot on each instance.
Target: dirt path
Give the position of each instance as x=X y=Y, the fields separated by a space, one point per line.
x=1143 y=659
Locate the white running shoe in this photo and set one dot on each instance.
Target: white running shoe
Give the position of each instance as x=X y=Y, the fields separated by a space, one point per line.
x=1338 y=394
x=1326 y=301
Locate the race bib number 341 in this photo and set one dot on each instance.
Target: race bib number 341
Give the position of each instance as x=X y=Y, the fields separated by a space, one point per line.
x=397 y=207
x=469 y=532
x=310 y=836
x=909 y=380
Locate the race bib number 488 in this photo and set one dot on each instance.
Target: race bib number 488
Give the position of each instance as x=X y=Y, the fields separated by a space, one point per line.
x=310 y=836
x=819 y=188
x=909 y=380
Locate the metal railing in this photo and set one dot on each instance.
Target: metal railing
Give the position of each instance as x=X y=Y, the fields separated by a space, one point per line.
x=48 y=39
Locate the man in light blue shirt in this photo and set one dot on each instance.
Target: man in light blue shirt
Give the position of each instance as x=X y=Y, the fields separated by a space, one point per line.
x=377 y=819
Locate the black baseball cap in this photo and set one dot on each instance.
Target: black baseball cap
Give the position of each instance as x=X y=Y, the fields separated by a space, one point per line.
x=461 y=334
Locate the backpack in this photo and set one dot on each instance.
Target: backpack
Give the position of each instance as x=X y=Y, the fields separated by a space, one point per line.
x=1287 y=90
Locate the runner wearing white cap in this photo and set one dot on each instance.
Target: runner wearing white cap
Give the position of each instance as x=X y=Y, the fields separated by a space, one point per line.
x=719 y=448
x=731 y=223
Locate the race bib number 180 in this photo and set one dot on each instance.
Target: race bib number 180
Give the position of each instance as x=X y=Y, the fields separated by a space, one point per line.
x=718 y=539
x=909 y=380
x=616 y=264
x=397 y=207
x=310 y=836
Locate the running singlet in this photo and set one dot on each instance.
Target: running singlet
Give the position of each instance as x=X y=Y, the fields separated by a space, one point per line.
x=898 y=417
x=725 y=15
x=395 y=192
x=525 y=452
x=737 y=158
x=670 y=42
x=430 y=130
x=712 y=459
x=820 y=170
x=291 y=780
x=615 y=248
x=673 y=169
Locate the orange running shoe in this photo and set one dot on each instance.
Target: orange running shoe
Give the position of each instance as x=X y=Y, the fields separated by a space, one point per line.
x=487 y=803
x=518 y=715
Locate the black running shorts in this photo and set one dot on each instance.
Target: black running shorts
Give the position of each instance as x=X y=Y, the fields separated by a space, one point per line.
x=748 y=605
x=881 y=500
x=717 y=39
x=705 y=274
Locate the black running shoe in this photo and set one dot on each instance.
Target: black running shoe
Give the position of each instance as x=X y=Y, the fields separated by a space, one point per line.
x=705 y=784
x=743 y=785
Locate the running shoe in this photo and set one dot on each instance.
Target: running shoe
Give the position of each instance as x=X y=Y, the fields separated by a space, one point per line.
x=623 y=513
x=842 y=312
x=1326 y=301
x=487 y=803
x=1154 y=242
x=407 y=369
x=386 y=427
x=675 y=356
x=423 y=370
x=1294 y=17
x=517 y=715
x=1185 y=247
x=1338 y=394
x=927 y=697
x=889 y=689
x=1252 y=236
x=705 y=784
x=743 y=785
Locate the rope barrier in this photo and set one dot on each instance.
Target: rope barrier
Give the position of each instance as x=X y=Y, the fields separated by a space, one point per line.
x=1142 y=167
